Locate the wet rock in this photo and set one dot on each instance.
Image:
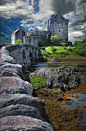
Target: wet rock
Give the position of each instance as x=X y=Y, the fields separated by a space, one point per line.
x=60 y=99
x=15 y=85
x=17 y=123
x=20 y=109
x=73 y=82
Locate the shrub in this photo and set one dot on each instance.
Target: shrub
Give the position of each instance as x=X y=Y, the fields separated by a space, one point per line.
x=19 y=41
x=69 y=49
x=55 y=40
x=59 y=91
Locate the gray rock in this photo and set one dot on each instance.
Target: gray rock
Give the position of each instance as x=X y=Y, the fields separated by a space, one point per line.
x=15 y=66
x=15 y=85
x=12 y=72
x=23 y=123
x=5 y=57
x=73 y=82
x=57 y=77
x=13 y=99
x=20 y=109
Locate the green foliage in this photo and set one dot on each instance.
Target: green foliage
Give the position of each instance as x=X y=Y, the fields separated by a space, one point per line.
x=36 y=81
x=80 y=44
x=65 y=44
x=64 y=53
x=4 y=38
x=40 y=44
x=18 y=41
x=80 y=47
x=59 y=91
x=54 y=40
x=66 y=39
x=53 y=49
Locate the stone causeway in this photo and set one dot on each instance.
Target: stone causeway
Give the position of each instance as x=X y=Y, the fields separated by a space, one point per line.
x=19 y=110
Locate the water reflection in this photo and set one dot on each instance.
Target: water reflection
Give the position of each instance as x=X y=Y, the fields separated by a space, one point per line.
x=48 y=65
x=80 y=102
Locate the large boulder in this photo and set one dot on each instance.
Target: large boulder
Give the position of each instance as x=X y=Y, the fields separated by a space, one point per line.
x=20 y=109
x=8 y=65
x=10 y=70
x=15 y=85
x=5 y=57
x=23 y=123
x=59 y=77
x=13 y=99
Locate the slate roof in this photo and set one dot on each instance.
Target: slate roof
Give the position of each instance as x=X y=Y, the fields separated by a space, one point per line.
x=16 y=31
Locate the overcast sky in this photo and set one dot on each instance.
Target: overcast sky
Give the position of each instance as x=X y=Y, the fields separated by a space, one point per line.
x=34 y=13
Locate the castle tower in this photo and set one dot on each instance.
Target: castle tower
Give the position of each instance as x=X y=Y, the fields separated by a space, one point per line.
x=58 y=26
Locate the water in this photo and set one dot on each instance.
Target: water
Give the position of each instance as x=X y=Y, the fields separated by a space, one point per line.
x=80 y=103
x=49 y=65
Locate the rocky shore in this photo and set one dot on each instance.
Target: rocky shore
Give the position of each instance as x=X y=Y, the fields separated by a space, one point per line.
x=63 y=77
x=64 y=85
x=19 y=110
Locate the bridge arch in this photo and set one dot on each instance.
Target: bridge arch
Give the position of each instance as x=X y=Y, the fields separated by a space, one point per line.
x=31 y=56
x=23 y=54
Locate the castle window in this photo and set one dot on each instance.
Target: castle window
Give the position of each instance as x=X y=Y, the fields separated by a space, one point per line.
x=59 y=29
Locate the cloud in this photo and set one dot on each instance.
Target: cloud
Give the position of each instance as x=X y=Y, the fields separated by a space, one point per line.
x=19 y=8
x=77 y=18
x=34 y=13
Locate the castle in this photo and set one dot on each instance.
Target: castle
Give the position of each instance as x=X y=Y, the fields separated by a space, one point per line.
x=56 y=25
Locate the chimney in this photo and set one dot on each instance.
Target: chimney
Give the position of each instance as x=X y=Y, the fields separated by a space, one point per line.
x=20 y=28
x=59 y=14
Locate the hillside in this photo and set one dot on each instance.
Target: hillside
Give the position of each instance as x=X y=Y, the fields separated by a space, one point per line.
x=6 y=26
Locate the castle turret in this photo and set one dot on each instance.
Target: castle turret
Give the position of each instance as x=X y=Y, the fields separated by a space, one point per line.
x=58 y=26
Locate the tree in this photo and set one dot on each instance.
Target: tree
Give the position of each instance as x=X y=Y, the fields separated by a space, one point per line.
x=18 y=41
x=55 y=40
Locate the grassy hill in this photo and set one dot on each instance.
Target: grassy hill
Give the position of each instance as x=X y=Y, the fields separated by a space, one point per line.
x=63 y=52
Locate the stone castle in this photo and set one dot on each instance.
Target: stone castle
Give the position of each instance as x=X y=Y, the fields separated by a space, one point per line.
x=56 y=25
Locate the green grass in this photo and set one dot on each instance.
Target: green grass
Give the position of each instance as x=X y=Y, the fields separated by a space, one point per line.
x=59 y=91
x=36 y=81
x=63 y=52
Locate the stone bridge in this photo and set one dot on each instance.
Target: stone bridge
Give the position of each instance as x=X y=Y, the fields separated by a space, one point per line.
x=19 y=110
x=22 y=54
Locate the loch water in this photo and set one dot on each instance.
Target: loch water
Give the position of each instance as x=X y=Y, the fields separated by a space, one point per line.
x=49 y=65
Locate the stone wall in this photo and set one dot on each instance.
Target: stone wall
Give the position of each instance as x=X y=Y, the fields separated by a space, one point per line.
x=19 y=110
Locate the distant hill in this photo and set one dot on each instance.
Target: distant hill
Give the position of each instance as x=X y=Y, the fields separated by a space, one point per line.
x=6 y=26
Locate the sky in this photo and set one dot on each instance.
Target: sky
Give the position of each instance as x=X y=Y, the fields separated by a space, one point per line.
x=34 y=13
